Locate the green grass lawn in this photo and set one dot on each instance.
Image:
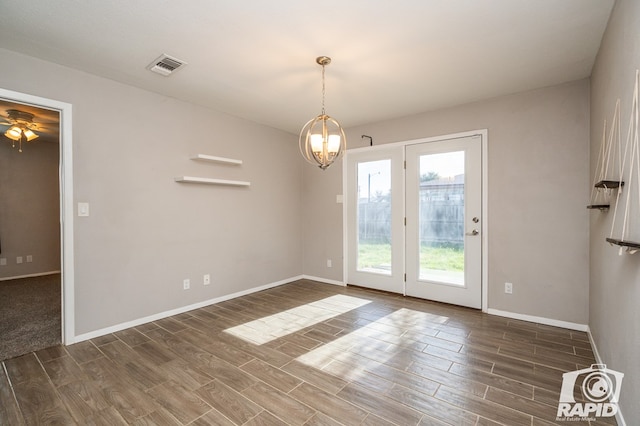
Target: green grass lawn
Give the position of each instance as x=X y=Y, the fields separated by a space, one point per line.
x=437 y=258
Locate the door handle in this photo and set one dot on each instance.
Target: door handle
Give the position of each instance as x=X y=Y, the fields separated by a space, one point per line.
x=474 y=232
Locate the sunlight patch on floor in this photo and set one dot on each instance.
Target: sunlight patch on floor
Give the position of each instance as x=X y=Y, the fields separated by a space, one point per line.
x=370 y=342
x=272 y=327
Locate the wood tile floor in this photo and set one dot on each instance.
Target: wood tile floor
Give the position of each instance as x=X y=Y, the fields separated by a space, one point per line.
x=304 y=353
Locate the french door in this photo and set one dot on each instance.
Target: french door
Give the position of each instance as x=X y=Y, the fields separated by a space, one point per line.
x=414 y=219
x=443 y=232
x=375 y=211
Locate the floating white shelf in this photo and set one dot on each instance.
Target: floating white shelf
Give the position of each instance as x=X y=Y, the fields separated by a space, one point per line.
x=204 y=157
x=209 y=181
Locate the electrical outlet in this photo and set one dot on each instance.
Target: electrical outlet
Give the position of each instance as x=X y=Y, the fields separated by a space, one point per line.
x=19 y=259
x=29 y=258
x=329 y=264
x=186 y=284
x=206 y=279
x=3 y=261
x=508 y=288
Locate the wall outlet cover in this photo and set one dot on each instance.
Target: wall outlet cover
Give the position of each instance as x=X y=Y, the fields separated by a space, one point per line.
x=83 y=209
x=508 y=288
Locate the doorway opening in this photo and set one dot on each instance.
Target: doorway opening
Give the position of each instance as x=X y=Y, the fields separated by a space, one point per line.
x=42 y=109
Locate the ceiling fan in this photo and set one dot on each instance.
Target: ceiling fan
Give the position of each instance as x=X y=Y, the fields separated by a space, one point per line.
x=21 y=127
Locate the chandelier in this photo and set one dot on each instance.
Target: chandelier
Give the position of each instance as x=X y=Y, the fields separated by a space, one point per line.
x=322 y=139
x=20 y=130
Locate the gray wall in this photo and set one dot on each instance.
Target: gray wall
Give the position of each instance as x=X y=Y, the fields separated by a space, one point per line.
x=322 y=222
x=614 y=279
x=29 y=207
x=538 y=189
x=147 y=233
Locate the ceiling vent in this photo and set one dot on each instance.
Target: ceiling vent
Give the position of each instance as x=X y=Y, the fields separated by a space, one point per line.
x=166 y=65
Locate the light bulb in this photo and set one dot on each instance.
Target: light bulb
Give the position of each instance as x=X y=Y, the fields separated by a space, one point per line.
x=316 y=142
x=334 y=144
x=14 y=133
x=30 y=135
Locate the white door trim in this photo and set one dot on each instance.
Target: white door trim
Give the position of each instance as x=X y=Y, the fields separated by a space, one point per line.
x=483 y=133
x=66 y=203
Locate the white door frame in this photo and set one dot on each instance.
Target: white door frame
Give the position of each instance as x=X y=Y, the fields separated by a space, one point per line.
x=483 y=133
x=66 y=203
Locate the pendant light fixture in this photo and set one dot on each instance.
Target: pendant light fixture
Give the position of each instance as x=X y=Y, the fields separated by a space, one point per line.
x=322 y=139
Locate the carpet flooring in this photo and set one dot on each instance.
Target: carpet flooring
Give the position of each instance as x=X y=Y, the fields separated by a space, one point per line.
x=30 y=315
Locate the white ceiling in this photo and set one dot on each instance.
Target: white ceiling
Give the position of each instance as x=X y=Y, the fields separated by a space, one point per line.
x=256 y=59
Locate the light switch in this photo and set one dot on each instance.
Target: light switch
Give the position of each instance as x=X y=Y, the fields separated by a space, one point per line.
x=83 y=209
x=339 y=199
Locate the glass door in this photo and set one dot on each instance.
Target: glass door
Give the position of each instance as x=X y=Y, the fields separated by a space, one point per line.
x=375 y=197
x=444 y=234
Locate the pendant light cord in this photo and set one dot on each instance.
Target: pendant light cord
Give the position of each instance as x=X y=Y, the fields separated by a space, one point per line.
x=323 y=90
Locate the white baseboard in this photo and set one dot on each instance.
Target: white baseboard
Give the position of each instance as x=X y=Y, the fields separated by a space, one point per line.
x=599 y=360
x=39 y=274
x=539 y=320
x=596 y=354
x=323 y=280
x=161 y=315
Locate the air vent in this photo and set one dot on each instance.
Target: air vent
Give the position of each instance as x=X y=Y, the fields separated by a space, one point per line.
x=166 y=65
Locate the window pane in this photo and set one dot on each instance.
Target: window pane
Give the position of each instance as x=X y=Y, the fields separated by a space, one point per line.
x=374 y=217
x=442 y=217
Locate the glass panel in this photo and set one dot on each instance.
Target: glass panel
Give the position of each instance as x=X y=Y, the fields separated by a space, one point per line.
x=374 y=217
x=442 y=218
